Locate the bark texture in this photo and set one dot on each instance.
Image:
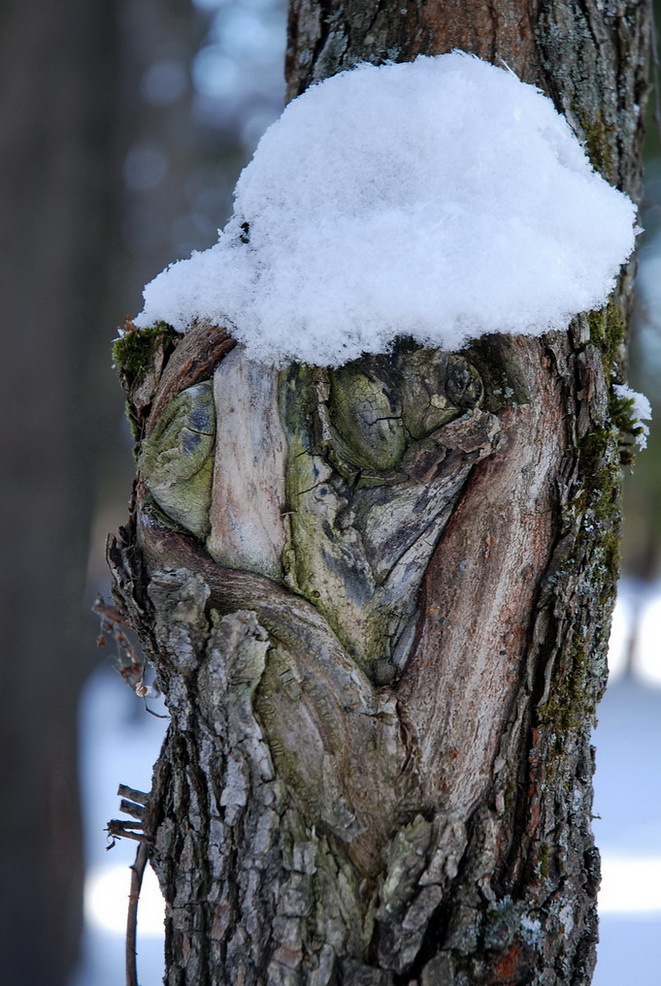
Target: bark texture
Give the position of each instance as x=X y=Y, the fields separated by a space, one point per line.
x=378 y=598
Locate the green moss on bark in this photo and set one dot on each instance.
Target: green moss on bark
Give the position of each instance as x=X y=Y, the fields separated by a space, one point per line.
x=592 y=565
x=608 y=331
x=600 y=138
x=133 y=351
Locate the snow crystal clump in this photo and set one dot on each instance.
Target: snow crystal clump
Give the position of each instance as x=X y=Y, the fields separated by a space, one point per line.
x=641 y=411
x=441 y=199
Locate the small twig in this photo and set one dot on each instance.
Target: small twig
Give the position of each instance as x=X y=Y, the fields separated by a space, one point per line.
x=137 y=873
x=109 y=612
x=130 y=808
x=156 y=715
x=133 y=803
x=138 y=797
x=131 y=664
x=119 y=829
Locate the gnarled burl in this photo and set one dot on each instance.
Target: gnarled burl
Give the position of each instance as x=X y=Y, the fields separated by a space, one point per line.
x=333 y=572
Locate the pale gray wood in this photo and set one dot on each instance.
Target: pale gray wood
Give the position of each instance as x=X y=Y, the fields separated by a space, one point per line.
x=248 y=513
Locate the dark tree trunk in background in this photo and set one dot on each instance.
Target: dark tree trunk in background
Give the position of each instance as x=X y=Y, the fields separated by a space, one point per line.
x=57 y=80
x=382 y=680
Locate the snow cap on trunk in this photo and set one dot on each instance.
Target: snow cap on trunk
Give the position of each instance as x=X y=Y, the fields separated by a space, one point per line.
x=441 y=199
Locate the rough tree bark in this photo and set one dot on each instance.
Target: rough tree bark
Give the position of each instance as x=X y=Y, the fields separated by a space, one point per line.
x=378 y=598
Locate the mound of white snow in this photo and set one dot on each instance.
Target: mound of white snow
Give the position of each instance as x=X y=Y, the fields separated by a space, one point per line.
x=441 y=199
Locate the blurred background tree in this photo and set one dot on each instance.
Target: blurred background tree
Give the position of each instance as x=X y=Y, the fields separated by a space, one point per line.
x=58 y=70
x=641 y=544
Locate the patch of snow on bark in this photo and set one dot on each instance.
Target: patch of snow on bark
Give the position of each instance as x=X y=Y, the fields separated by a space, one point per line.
x=441 y=199
x=641 y=411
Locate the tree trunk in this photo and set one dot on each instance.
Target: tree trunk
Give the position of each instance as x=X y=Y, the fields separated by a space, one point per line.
x=382 y=638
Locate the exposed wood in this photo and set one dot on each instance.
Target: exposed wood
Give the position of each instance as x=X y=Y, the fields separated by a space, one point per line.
x=247 y=513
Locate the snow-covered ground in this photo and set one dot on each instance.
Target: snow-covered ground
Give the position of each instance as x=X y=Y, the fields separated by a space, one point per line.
x=121 y=741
